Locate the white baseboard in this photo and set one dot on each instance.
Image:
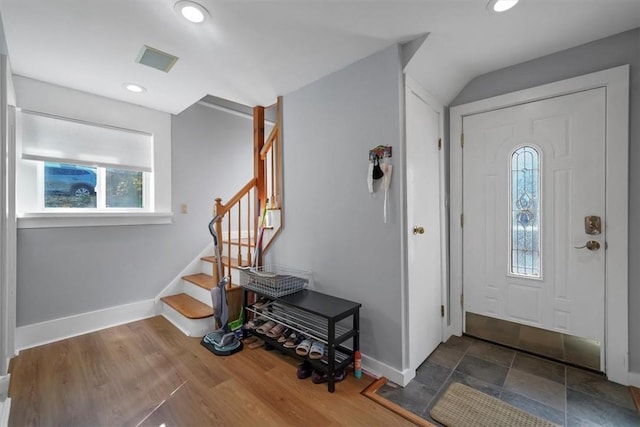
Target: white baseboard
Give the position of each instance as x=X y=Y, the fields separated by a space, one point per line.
x=58 y=329
x=5 y=408
x=379 y=369
x=634 y=379
x=5 y=401
x=4 y=386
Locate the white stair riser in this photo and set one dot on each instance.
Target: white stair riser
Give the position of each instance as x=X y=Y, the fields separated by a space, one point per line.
x=190 y=327
x=195 y=291
x=207 y=267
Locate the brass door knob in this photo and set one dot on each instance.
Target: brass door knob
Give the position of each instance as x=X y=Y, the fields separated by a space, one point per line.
x=418 y=230
x=592 y=245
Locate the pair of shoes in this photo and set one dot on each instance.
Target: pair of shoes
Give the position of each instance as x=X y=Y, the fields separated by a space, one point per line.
x=283 y=337
x=262 y=329
x=259 y=304
x=304 y=370
x=293 y=340
x=313 y=349
x=276 y=331
x=320 y=378
x=249 y=340
x=254 y=323
x=303 y=348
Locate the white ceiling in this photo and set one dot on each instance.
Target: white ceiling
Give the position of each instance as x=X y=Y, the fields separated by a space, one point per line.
x=252 y=51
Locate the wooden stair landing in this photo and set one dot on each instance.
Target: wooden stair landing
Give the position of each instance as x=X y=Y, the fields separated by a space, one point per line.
x=188 y=306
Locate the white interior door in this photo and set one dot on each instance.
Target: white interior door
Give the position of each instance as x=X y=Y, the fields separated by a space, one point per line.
x=424 y=227
x=531 y=174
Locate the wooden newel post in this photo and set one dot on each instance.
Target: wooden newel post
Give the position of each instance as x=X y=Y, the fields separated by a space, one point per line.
x=258 y=164
x=218 y=209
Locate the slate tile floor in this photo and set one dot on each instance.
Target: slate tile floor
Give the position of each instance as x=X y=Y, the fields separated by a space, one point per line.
x=561 y=394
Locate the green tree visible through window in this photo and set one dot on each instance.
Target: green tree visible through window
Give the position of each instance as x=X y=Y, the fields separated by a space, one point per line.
x=123 y=188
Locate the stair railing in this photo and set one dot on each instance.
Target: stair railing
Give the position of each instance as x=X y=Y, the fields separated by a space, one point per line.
x=240 y=227
x=240 y=215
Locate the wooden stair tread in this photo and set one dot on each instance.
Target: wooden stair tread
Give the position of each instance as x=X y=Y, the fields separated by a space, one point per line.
x=225 y=261
x=203 y=280
x=206 y=282
x=188 y=306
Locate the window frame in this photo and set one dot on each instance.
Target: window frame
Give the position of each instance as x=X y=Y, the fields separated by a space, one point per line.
x=69 y=103
x=100 y=192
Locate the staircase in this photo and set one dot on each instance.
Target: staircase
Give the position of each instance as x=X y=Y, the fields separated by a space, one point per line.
x=187 y=304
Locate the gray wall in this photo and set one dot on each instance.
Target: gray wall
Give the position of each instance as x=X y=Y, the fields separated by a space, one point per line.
x=333 y=227
x=66 y=271
x=3 y=40
x=610 y=52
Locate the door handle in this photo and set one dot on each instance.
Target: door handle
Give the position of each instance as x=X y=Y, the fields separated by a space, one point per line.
x=592 y=245
x=418 y=230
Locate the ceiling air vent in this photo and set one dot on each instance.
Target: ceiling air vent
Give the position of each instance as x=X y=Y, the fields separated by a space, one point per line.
x=155 y=58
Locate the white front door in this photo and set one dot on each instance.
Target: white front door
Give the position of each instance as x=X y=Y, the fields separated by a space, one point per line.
x=531 y=174
x=424 y=226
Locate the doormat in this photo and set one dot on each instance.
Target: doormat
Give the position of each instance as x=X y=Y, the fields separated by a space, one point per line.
x=463 y=406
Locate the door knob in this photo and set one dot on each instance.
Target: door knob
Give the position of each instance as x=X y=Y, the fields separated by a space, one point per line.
x=592 y=245
x=418 y=230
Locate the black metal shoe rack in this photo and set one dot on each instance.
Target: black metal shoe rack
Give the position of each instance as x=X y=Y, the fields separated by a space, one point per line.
x=319 y=316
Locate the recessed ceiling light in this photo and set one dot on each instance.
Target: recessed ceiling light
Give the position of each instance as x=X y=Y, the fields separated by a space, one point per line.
x=132 y=87
x=191 y=11
x=501 y=5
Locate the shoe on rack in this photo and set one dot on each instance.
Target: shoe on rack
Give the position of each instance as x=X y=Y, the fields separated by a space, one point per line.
x=262 y=329
x=304 y=370
x=285 y=335
x=320 y=378
x=276 y=331
x=292 y=340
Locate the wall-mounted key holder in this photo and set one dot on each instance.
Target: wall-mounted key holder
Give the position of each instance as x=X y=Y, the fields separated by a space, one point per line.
x=380 y=152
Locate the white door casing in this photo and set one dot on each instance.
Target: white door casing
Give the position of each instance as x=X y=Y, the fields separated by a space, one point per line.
x=567 y=135
x=8 y=217
x=616 y=83
x=424 y=209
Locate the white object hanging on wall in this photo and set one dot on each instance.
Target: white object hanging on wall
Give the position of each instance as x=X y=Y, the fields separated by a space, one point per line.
x=387 y=169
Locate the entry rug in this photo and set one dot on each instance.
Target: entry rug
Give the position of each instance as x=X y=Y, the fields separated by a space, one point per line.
x=463 y=406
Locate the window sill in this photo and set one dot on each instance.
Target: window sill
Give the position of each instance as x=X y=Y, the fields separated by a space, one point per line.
x=92 y=219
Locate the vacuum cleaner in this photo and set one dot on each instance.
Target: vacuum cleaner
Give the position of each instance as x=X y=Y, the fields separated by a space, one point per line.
x=221 y=342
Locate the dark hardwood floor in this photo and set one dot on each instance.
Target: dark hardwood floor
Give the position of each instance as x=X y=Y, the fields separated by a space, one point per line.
x=148 y=373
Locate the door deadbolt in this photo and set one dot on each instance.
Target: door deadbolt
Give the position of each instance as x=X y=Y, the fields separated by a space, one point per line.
x=418 y=230
x=592 y=225
x=592 y=245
